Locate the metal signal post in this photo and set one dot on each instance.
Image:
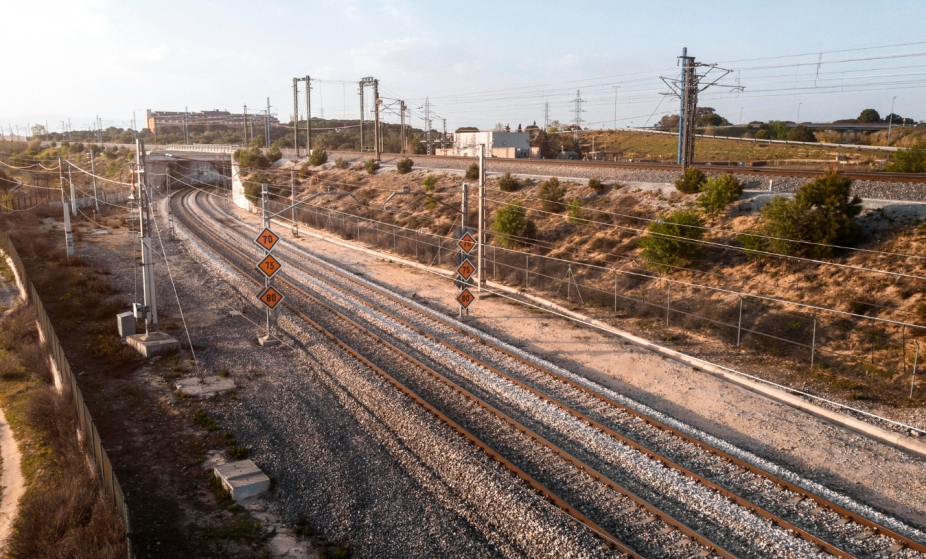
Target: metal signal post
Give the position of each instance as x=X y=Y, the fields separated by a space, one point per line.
x=149 y=310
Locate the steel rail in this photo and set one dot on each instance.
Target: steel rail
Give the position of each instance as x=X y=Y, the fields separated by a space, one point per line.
x=610 y=540
x=838 y=509
x=883 y=176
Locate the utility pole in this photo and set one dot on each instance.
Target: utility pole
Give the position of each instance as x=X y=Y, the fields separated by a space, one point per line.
x=268 y=340
x=73 y=192
x=403 y=145
x=296 y=115
x=295 y=227
x=170 y=216
x=376 y=104
x=577 y=121
x=686 y=88
x=308 y=115
x=444 y=139
x=245 y=126
x=546 y=116
x=96 y=199
x=68 y=235
x=890 y=121
x=186 y=125
x=427 y=123
x=150 y=308
x=268 y=122
x=361 y=116
x=481 y=231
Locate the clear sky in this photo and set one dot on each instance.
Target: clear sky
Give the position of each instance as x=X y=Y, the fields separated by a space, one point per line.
x=479 y=62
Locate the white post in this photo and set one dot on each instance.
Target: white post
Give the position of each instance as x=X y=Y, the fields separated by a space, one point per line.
x=144 y=211
x=913 y=378
x=481 y=233
x=68 y=237
x=96 y=200
x=73 y=195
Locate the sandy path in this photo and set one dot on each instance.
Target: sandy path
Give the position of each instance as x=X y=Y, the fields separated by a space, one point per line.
x=11 y=480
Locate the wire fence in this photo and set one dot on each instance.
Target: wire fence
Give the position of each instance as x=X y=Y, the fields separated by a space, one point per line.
x=867 y=347
x=68 y=384
x=21 y=203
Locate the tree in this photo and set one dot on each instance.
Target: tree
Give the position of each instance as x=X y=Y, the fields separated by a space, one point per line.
x=801 y=134
x=909 y=160
x=499 y=127
x=574 y=214
x=708 y=117
x=551 y=195
x=472 y=172
x=691 y=180
x=318 y=157
x=777 y=130
x=894 y=119
x=717 y=193
x=869 y=115
x=429 y=182
x=668 y=239
x=510 y=222
x=507 y=183
x=667 y=122
x=404 y=166
x=544 y=141
x=38 y=131
x=821 y=212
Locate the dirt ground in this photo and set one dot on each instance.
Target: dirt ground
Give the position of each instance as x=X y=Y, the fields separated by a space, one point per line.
x=873 y=473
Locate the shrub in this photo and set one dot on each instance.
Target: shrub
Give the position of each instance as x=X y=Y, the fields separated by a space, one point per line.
x=429 y=182
x=801 y=134
x=339 y=162
x=510 y=222
x=371 y=166
x=762 y=135
x=274 y=154
x=820 y=212
x=909 y=160
x=691 y=180
x=718 y=192
x=252 y=186
x=319 y=157
x=551 y=195
x=574 y=214
x=752 y=243
x=472 y=172
x=508 y=183
x=666 y=240
x=404 y=166
x=599 y=187
x=253 y=157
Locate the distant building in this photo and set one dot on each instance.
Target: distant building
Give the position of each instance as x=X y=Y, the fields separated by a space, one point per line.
x=498 y=144
x=157 y=119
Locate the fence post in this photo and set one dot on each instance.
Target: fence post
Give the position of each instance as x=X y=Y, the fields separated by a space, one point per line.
x=394 y=249
x=494 y=264
x=739 y=326
x=416 y=246
x=615 y=292
x=527 y=269
x=913 y=378
x=813 y=341
x=668 y=301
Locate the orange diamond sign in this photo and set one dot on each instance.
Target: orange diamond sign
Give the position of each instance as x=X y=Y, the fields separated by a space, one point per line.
x=269 y=266
x=466 y=270
x=267 y=239
x=271 y=297
x=466 y=242
x=465 y=298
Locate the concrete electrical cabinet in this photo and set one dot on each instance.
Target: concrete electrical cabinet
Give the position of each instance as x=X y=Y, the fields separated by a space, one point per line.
x=126 y=322
x=242 y=479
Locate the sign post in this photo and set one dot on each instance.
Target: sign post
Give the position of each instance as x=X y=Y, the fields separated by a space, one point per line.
x=268 y=266
x=465 y=270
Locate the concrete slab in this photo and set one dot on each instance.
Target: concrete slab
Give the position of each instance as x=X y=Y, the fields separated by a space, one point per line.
x=268 y=341
x=150 y=345
x=242 y=479
x=205 y=387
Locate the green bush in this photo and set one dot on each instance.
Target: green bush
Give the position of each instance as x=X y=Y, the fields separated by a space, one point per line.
x=339 y=162
x=909 y=160
x=762 y=135
x=472 y=172
x=752 y=243
x=820 y=212
x=252 y=186
x=574 y=213
x=691 y=180
x=801 y=134
x=318 y=157
x=404 y=166
x=510 y=222
x=508 y=183
x=666 y=240
x=717 y=193
x=599 y=187
x=551 y=195
x=274 y=154
x=429 y=182
x=371 y=166
x=253 y=157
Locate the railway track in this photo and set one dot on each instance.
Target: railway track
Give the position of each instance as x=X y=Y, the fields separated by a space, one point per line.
x=605 y=464
x=881 y=176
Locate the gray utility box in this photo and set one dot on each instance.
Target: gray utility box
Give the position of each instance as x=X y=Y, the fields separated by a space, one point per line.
x=126 y=323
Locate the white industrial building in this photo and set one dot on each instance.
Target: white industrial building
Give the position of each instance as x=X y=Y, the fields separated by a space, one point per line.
x=498 y=144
